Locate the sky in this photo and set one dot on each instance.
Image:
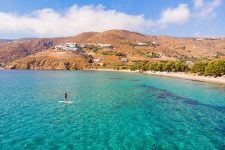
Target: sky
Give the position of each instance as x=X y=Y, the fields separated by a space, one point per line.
x=59 y=18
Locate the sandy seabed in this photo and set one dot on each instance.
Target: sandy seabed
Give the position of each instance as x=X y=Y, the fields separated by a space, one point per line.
x=181 y=75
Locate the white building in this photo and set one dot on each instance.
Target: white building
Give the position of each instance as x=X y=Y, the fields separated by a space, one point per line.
x=97 y=60
x=105 y=45
x=154 y=43
x=199 y=39
x=82 y=45
x=68 y=46
x=209 y=38
x=124 y=59
x=142 y=44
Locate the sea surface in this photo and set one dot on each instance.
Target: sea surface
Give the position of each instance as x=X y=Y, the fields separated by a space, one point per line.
x=109 y=110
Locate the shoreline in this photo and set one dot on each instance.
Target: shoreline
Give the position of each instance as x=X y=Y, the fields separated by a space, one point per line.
x=179 y=75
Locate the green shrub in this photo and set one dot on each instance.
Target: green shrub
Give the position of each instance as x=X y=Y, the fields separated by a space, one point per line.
x=140 y=66
x=199 y=67
x=180 y=66
x=160 y=66
x=120 y=54
x=153 y=66
x=110 y=53
x=155 y=55
x=133 y=68
x=215 y=68
x=169 y=66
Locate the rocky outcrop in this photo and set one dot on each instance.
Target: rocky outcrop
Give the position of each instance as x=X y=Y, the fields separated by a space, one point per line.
x=51 y=60
x=15 y=49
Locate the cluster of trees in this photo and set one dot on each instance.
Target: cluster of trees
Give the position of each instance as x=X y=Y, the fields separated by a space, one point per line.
x=174 y=66
x=209 y=68
x=199 y=67
x=113 y=53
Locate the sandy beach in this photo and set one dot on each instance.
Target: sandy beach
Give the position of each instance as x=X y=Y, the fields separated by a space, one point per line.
x=181 y=75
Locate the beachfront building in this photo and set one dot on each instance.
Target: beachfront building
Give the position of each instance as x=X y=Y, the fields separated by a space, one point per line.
x=68 y=46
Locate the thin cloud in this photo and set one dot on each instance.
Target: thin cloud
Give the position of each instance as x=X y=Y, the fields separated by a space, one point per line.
x=198 y=3
x=206 y=9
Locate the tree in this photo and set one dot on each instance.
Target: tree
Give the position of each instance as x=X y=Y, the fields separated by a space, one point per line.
x=181 y=66
x=120 y=54
x=159 y=66
x=199 y=67
x=67 y=65
x=90 y=61
x=153 y=66
x=169 y=66
x=133 y=68
x=140 y=66
x=143 y=66
x=215 y=68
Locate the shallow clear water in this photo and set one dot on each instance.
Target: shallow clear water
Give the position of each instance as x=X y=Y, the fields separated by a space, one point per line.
x=110 y=111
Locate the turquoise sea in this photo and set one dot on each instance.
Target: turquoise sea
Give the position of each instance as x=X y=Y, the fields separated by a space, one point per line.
x=110 y=110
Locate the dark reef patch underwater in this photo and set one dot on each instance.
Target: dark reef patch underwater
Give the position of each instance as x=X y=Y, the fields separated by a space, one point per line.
x=110 y=110
x=164 y=94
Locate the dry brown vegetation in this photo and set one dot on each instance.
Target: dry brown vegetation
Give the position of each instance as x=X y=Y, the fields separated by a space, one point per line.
x=23 y=52
x=51 y=60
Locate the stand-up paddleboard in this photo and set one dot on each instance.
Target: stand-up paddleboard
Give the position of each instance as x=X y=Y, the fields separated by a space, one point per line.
x=66 y=102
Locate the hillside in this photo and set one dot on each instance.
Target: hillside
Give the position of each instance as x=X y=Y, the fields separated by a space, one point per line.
x=124 y=42
x=12 y=50
x=51 y=60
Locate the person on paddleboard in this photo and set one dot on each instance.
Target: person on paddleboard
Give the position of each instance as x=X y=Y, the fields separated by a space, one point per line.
x=65 y=97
